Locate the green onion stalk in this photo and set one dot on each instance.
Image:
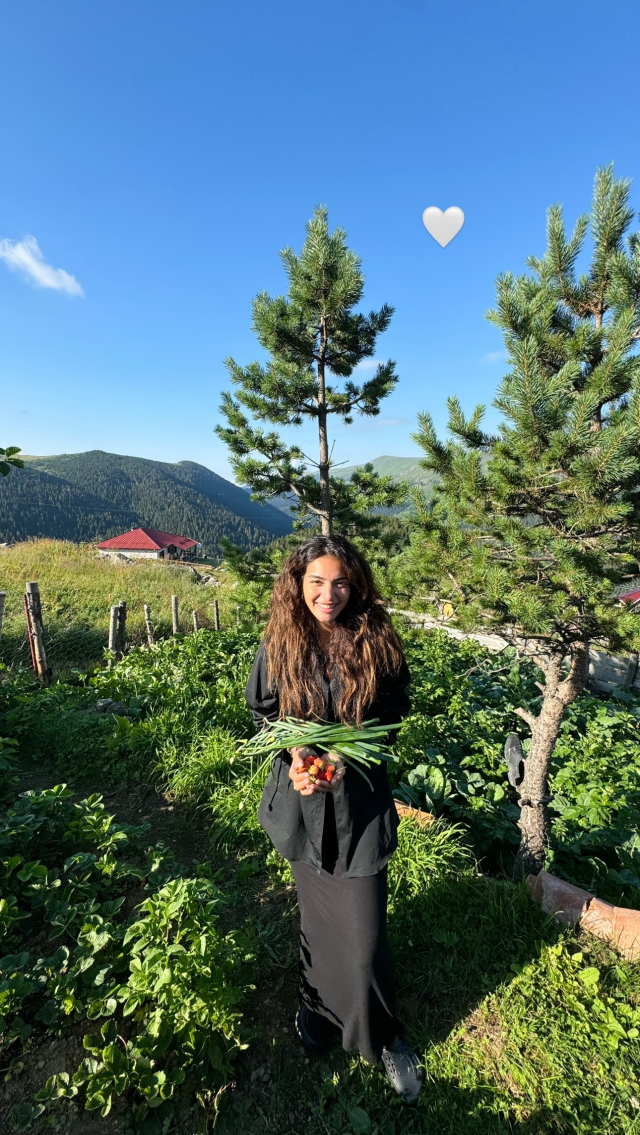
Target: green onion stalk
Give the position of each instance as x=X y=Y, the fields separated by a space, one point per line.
x=356 y=745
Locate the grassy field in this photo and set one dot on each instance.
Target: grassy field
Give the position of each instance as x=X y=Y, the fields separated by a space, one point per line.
x=524 y=1028
x=78 y=589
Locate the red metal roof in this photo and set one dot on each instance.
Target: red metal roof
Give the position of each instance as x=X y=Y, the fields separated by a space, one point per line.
x=631 y=597
x=147 y=540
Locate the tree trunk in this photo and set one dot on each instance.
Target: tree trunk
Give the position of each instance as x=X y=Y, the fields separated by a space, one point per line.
x=325 y=492
x=534 y=790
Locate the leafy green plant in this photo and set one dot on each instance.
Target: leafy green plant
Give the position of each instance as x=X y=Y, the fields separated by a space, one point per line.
x=8 y=778
x=169 y=984
x=431 y=782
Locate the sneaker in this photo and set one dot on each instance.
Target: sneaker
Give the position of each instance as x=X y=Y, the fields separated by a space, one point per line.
x=514 y=756
x=403 y=1069
x=314 y=1031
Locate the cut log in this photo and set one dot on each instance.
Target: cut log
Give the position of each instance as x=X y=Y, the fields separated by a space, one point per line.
x=572 y=906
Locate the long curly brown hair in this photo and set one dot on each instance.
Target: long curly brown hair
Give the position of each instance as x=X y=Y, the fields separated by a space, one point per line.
x=363 y=646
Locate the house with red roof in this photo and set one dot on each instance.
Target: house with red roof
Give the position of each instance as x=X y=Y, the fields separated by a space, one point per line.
x=151 y=544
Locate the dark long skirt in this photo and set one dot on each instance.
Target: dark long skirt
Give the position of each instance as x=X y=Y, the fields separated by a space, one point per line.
x=346 y=969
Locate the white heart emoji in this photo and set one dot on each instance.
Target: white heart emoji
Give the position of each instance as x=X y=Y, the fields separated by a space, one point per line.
x=443 y=226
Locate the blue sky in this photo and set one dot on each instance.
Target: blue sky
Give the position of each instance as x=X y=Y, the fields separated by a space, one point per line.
x=161 y=153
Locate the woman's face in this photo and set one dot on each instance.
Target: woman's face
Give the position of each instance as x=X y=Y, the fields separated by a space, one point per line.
x=326 y=589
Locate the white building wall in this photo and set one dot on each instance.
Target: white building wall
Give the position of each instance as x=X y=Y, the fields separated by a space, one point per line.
x=141 y=555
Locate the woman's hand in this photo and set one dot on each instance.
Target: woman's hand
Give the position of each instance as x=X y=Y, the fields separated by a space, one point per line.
x=300 y=777
x=298 y=773
x=328 y=786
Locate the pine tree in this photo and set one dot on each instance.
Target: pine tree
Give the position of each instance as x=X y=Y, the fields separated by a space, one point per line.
x=532 y=532
x=313 y=336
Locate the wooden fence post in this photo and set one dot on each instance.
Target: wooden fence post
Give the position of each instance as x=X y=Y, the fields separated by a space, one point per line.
x=147 y=619
x=122 y=627
x=216 y=614
x=3 y=596
x=27 y=615
x=113 y=629
x=196 y=624
x=174 y=614
x=33 y=612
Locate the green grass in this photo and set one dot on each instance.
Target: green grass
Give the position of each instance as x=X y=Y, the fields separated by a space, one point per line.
x=523 y=1027
x=78 y=588
x=195 y=775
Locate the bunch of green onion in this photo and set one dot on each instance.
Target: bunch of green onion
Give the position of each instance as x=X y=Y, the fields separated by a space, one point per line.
x=356 y=745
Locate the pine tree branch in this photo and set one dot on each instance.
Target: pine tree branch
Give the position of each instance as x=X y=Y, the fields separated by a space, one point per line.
x=526 y=716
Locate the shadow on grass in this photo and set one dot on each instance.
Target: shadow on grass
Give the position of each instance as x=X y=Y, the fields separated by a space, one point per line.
x=458 y=942
x=455 y=937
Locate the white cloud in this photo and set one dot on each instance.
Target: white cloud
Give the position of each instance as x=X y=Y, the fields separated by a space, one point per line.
x=495 y=357
x=25 y=257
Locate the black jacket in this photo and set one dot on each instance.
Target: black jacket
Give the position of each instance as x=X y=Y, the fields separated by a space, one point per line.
x=366 y=821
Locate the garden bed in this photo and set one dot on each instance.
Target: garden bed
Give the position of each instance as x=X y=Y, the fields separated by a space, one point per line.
x=522 y=1023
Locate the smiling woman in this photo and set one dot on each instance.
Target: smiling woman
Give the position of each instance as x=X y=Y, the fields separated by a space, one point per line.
x=330 y=651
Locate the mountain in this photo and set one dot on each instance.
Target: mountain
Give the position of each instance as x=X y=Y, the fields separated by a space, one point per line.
x=400 y=468
x=92 y=496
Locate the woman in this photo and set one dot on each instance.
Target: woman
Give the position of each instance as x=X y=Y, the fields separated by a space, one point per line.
x=329 y=651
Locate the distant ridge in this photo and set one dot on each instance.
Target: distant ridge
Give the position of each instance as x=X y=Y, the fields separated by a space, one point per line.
x=400 y=468
x=95 y=495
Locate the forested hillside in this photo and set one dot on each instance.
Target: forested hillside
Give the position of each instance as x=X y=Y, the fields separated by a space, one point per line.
x=95 y=495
